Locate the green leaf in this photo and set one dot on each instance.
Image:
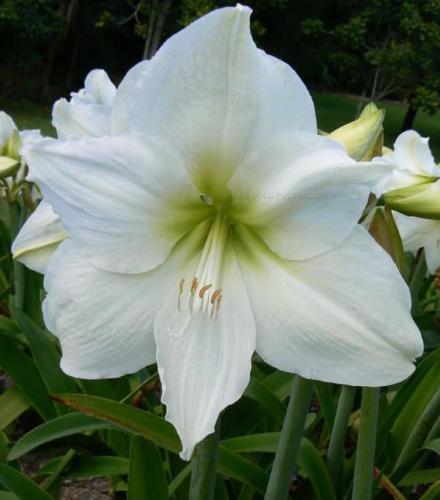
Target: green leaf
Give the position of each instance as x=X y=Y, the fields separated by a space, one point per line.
x=433 y=445
x=127 y=417
x=23 y=372
x=8 y=326
x=266 y=442
x=327 y=404
x=22 y=486
x=45 y=355
x=425 y=476
x=258 y=392
x=433 y=492
x=88 y=466
x=146 y=477
x=161 y=433
x=6 y=495
x=65 y=425
x=423 y=390
x=237 y=467
x=310 y=460
x=4 y=446
x=12 y=405
x=401 y=398
x=279 y=383
x=179 y=480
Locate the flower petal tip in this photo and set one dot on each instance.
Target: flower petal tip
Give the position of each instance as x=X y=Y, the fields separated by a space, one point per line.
x=243 y=8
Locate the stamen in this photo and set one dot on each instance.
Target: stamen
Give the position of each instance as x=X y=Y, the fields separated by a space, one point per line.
x=194 y=285
x=207 y=275
x=203 y=290
x=179 y=304
x=216 y=294
x=219 y=301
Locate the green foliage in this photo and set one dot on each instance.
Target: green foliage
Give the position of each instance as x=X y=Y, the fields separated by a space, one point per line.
x=384 y=47
x=28 y=24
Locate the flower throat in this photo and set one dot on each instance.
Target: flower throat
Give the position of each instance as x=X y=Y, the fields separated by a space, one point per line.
x=204 y=293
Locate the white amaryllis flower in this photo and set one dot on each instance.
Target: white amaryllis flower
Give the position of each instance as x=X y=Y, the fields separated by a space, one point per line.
x=412 y=162
x=220 y=224
x=88 y=114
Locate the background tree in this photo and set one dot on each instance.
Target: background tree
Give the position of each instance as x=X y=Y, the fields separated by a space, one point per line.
x=380 y=49
x=377 y=49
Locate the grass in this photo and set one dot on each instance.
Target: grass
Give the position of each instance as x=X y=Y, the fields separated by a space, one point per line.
x=332 y=110
x=28 y=115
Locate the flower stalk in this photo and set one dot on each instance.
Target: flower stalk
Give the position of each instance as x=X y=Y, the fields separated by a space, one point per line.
x=290 y=439
x=366 y=445
x=335 y=455
x=17 y=217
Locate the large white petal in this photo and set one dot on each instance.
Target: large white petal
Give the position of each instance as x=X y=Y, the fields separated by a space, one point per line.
x=303 y=194
x=216 y=96
x=343 y=317
x=125 y=200
x=120 y=115
x=418 y=233
x=89 y=110
x=98 y=89
x=73 y=121
x=204 y=363
x=412 y=153
x=104 y=320
x=39 y=237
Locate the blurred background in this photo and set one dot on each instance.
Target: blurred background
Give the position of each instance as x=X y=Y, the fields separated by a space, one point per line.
x=347 y=51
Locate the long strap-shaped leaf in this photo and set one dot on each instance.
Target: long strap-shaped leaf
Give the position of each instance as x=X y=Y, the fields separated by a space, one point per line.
x=22 y=486
x=146 y=476
x=112 y=413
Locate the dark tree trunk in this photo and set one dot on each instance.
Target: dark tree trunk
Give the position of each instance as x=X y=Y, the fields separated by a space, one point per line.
x=410 y=116
x=68 y=9
x=156 y=23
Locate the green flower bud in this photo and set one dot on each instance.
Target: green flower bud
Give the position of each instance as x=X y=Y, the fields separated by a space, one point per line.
x=418 y=200
x=363 y=138
x=8 y=166
x=13 y=145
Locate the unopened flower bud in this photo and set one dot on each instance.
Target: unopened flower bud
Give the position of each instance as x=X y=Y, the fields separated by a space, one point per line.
x=419 y=200
x=362 y=138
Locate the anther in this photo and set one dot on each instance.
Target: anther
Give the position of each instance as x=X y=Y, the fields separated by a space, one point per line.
x=203 y=290
x=182 y=281
x=215 y=295
x=194 y=285
x=218 y=303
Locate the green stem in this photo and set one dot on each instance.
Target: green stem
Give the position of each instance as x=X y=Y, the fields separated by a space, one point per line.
x=290 y=439
x=335 y=454
x=17 y=216
x=416 y=281
x=366 y=445
x=203 y=467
